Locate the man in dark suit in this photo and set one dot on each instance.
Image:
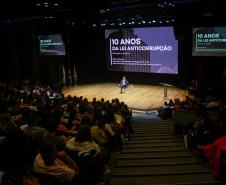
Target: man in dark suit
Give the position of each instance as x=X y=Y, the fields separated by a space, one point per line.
x=124 y=83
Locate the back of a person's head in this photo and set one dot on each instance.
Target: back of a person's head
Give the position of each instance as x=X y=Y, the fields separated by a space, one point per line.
x=72 y=114
x=4 y=121
x=82 y=108
x=181 y=105
x=51 y=125
x=86 y=121
x=83 y=134
x=31 y=119
x=57 y=114
x=48 y=152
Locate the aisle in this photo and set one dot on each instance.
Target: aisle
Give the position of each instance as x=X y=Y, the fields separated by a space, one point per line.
x=153 y=155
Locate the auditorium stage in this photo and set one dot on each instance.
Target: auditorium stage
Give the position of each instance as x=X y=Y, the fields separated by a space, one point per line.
x=139 y=97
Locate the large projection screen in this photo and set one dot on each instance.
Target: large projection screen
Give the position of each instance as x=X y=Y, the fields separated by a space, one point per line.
x=209 y=41
x=148 y=50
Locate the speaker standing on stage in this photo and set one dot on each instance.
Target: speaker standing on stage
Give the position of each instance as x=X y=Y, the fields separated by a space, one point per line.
x=124 y=83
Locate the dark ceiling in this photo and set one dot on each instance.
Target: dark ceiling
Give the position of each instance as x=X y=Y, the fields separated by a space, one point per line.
x=111 y=10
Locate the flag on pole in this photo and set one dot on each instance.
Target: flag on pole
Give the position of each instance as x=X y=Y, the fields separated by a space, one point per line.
x=64 y=76
x=75 y=74
x=69 y=74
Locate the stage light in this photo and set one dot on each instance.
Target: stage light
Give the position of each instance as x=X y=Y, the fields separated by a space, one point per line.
x=120 y=24
x=133 y=22
x=172 y=20
x=149 y=22
x=160 y=21
x=170 y=4
x=153 y=21
x=143 y=22
x=123 y=23
x=139 y=22
x=130 y=23
x=112 y=24
x=38 y=4
x=103 y=24
x=159 y=5
x=56 y=4
x=46 y=5
x=167 y=21
x=94 y=25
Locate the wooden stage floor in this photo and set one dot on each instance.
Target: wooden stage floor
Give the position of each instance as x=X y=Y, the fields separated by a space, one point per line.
x=139 y=97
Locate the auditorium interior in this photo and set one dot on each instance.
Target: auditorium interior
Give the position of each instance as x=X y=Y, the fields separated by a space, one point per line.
x=164 y=128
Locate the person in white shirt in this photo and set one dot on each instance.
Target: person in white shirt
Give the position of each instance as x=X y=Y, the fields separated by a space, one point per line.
x=48 y=161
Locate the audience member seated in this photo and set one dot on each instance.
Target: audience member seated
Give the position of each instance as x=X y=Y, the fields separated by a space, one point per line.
x=14 y=151
x=60 y=127
x=33 y=130
x=213 y=105
x=181 y=129
x=201 y=130
x=51 y=126
x=50 y=162
x=83 y=141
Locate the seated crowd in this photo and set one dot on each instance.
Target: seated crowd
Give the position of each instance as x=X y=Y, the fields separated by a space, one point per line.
x=199 y=132
x=67 y=138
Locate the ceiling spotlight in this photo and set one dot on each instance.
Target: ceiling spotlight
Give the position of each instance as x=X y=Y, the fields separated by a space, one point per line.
x=172 y=19
x=120 y=24
x=94 y=25
x=45 y=3
x=153 y=21
x=38 y=4
x=143 y=22
x=123 y=23
x=130 y=23
x=167 y=21
x=103 y=24
x=160 y=21
x=133 y=22
x=56 y=4
x=139 y=22
x=149 y=22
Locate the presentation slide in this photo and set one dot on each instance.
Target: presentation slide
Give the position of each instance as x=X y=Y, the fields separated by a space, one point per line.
x=209 y=41
x=148 y=50
x=51 y=45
